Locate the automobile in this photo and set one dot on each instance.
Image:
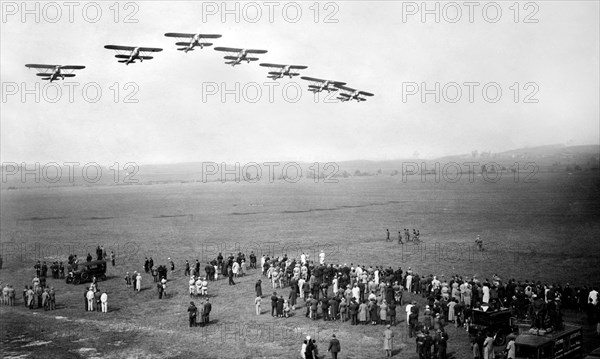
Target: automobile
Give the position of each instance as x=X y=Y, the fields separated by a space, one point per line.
x=499 y=323
x=84 y=272
x=562 y=344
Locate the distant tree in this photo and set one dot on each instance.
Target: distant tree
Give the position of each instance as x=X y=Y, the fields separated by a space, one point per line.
x=474 y=153
x=357 y=173
x=379 y=171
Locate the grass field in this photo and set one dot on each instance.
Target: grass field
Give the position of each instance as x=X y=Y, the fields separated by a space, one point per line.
x=546 y=231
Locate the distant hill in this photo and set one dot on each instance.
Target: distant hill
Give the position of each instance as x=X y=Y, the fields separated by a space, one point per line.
x=552 y=158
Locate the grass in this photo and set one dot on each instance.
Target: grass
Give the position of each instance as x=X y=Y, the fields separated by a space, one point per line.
x=543 y=230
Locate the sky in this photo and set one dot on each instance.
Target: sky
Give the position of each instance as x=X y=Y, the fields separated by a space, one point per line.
x=175 y=108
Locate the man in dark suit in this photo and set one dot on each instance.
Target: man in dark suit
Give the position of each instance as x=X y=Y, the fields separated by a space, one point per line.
x=207 y=309
x=274 y=300
x=334 y=347
x=353 y=310
x=193 y=311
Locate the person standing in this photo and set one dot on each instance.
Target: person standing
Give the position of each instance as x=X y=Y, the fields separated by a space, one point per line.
x=52 y=294
x=274 y=304
x=187 y=268
x=128 y=280
x=488 y=347
x=112 y=258
x=230 y=275
x=257 y=303
x=334 y=346
x=309 y=349
x=387 y=235
x=258 y=288
x=193 y=311
x=97 y=301
x=90 y=300
x=510 y=347
x=443 y=344
x=138 y=282
x=206 y=313
x=104 y=302
x=388 y=336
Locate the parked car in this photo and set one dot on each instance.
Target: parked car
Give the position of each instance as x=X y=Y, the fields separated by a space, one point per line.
x=563 y=344
x=497 y=322
x=84 y=272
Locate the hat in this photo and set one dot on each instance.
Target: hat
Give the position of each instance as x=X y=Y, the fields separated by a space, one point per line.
x=308 y=337
x=333 y=335
x=388 y=326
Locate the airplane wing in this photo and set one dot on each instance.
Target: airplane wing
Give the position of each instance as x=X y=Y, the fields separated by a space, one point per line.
x=72 y=67
x=210 y=36
x=256 y=51
x=312 y=79
x=40 y=66
x=178 y=34
x=119 y=47
x=227 y=49
x=272 y=65
x=344 y=94
x=365 y=93
x=342 y=87
x=150 y=49
x=298 y=67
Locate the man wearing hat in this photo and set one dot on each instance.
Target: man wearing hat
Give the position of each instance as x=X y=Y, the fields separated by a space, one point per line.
x=334 y=346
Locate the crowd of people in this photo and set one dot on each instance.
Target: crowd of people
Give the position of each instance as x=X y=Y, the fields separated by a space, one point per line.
x=372 y=295
x=357 y=294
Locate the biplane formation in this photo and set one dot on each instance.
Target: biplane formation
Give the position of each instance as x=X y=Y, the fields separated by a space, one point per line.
x=55 y=72
x=234 y=56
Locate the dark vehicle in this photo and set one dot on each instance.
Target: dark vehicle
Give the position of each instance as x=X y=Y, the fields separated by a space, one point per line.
x=84 y=272
x=498 y=322
x=563 y=344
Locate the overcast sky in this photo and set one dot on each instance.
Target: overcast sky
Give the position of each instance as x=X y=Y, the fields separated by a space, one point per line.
x=371 y=47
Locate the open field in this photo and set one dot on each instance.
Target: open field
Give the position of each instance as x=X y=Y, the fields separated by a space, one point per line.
x=546 y=231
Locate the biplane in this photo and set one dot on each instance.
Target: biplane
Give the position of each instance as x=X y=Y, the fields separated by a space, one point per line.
x=238 y=55
x=128 y=54
x=349 y=94
x=318 y=85
x=283 y=70
x=191 y=40
x=55 y=72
